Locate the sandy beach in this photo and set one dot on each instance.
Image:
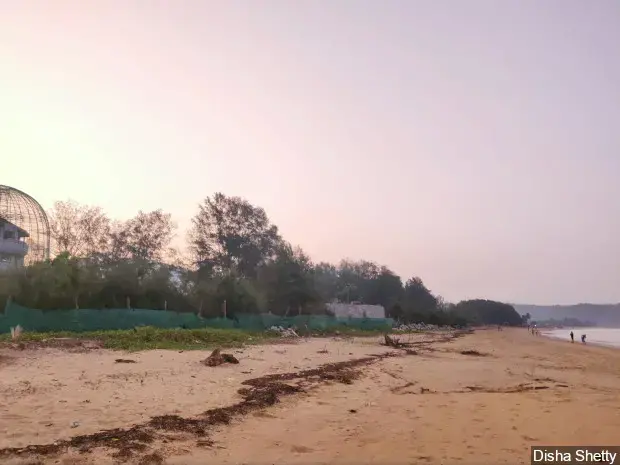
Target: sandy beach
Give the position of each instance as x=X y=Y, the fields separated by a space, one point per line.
x=431 y=403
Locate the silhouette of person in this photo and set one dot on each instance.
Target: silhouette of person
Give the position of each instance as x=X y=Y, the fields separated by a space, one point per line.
x=572 y=337
x=583 y=338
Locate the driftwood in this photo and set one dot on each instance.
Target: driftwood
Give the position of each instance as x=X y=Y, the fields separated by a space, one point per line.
x=393 y=342
x=218 y=358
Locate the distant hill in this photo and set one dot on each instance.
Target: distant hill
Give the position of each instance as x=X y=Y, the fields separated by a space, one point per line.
x=603 y=315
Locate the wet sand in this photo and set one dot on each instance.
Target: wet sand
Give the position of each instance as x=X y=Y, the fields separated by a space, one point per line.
x=438 y=406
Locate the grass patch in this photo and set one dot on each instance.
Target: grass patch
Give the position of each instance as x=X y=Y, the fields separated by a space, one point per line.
x=148 y=338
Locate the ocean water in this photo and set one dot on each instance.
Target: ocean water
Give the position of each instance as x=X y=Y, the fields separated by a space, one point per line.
x=599 y=336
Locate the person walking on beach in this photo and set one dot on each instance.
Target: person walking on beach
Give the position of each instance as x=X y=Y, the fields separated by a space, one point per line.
x=583 y=338
x=572 y=337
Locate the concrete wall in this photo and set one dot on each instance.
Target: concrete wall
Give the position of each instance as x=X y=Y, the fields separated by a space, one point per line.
x=356 y=310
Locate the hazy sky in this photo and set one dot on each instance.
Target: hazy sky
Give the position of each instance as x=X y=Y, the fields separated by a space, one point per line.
x=473 y=143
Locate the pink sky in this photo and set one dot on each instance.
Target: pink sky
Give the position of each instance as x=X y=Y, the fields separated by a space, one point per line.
x=475 y=144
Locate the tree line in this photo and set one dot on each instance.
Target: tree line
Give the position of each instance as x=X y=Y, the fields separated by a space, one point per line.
x=236 y=259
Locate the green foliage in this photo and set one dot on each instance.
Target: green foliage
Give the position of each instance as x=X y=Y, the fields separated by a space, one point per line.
x=231 y=294
x=147 y=338
x=287 y=281
x=488 y=312
x=229 y=234
x=325 y=280
x=239 y=265
x=144 y=237
x=79 y=230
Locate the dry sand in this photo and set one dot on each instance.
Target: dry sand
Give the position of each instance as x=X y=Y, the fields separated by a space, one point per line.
x=438 y=406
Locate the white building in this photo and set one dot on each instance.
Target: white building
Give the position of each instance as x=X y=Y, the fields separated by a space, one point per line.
x=13 y=247
x=353 y=310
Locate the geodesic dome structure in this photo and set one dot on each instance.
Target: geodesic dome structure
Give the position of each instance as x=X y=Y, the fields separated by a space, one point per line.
x=24 y=228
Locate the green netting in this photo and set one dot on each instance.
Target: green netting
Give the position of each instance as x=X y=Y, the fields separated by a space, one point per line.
x=109 y=319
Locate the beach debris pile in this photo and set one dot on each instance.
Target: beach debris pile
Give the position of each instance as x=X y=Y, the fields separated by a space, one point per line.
x=284 y=332
x=420 y=327
x=218 y=358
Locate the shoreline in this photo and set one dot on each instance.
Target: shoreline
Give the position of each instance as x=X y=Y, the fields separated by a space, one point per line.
x=549 y=334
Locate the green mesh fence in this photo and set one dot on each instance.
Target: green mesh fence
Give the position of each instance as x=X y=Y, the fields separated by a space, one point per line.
x=109 y=319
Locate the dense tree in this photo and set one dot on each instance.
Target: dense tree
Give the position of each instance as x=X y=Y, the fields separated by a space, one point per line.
x=78 y=230
x=239 y=264
x=287 y=280
x=50 y=284
x=488 y=312
x=229 y=234
x=387 y=288
x=69 y=282
x=418 y=297
x=325 y=278
x=9 y=286
x=146 y=237
x=356 y=281
x=417 y=303
x=227 y=296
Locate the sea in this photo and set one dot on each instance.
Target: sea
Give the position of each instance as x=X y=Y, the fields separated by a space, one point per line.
x=600 y=336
